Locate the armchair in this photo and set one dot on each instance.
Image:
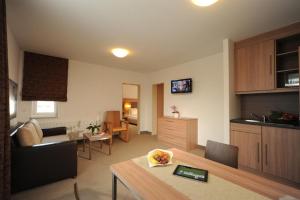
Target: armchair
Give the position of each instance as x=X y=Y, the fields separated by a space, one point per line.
x=115 y=125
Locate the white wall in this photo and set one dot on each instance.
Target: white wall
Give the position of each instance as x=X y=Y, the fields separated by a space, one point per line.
x=206 y=102
x=14 y=57
x=92 y=90
x=14 y=54
x=231 y=100
x=130 y=91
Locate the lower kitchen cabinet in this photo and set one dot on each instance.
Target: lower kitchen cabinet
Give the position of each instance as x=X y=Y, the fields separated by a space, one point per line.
x=249 y=145
x=281 y=152
x=270 y=150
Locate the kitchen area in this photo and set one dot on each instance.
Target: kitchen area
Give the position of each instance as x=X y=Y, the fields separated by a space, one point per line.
x=267 y=83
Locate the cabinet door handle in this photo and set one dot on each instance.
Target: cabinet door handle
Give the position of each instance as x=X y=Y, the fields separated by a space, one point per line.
x=266 y=153
x=258 y=156
x=271 y=66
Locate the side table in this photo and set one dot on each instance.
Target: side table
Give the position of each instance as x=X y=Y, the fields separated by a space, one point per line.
x=101 y=137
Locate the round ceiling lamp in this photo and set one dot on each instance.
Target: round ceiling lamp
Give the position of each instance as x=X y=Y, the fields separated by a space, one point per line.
x=204 y=3
x=120 y=52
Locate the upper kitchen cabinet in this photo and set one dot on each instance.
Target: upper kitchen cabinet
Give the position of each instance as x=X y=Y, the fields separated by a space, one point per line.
x=268 y=62
x=254 y=69
x=287 y=61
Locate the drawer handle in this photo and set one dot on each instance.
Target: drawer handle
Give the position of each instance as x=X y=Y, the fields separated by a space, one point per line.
x=170 y=129
x=169 y=121
x=258 y=157
x=266 y=152
x=271 y=67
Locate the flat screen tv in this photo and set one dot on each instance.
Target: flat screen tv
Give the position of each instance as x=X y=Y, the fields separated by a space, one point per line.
x=181 y=86
x=13 y=91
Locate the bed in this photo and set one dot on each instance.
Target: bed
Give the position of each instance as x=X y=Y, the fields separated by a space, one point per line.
x=132 y=116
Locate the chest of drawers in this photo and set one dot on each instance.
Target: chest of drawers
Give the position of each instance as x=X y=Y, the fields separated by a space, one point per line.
x=179 y=133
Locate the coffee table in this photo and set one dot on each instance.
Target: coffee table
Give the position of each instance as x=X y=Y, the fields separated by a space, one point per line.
x=75 y=136
x=101 y=137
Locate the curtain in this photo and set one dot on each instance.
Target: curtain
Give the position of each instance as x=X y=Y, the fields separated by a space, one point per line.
x=45 y=78
x=4 y=110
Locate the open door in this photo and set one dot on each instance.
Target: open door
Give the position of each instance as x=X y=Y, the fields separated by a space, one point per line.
x=131 y=107
x=157 y=105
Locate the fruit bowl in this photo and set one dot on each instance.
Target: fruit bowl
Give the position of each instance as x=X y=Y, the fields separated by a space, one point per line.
x=159 y=157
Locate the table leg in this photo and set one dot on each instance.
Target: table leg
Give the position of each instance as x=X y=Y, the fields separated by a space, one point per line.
x=90 y=151
x=83 y=145
x=114 y=187
x=109 y=148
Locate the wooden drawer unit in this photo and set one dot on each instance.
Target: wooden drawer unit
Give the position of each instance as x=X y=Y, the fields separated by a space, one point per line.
x=173 y=140
x=178 y=133
x=245 y=128
x=172 y=131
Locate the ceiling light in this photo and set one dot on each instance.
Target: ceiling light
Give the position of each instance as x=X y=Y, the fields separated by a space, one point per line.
x=120 y=53
x=204 y=2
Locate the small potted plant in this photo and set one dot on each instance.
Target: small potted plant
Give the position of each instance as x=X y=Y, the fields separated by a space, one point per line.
x=175 y=112
x=94 y=128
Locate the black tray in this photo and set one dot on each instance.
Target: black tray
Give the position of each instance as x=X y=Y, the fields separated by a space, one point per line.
x=191 y=173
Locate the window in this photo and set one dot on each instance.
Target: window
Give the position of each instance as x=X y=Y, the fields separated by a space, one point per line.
x=44 y=109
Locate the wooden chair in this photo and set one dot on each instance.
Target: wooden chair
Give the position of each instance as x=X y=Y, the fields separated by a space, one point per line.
x=115 y=125
x=222 y=153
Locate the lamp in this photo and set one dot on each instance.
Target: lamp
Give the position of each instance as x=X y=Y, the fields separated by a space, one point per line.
x=120 y=52
x=204 y=3
x=127 y=105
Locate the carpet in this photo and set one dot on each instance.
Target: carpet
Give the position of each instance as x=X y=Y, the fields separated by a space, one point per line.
x=94 y=176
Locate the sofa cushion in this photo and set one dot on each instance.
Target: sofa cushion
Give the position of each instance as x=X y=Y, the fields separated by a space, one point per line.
x=28 y=136
x=56 y=138
x=37 y=128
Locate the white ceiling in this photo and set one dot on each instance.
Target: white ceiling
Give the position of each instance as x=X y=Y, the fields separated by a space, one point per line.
x=159 y=33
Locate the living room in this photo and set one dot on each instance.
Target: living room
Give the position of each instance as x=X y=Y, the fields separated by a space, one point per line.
x=178 y=42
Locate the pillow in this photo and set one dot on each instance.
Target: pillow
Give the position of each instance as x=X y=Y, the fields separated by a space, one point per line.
x=37 y=128
x=28 y=136
x=133 y=112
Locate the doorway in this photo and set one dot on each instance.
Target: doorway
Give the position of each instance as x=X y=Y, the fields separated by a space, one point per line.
x=131 y=107
x=157 y=105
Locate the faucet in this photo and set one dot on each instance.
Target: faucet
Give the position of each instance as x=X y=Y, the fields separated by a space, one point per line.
x=263 y=118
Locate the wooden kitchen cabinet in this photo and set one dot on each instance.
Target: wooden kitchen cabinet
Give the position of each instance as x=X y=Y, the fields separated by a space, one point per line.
x=264 y=63
x=248 y=139
x=281 y=152
x=254 y=67
x=269 y=150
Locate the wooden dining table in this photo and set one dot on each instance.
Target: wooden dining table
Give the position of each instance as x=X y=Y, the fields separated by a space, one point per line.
x=223 y=182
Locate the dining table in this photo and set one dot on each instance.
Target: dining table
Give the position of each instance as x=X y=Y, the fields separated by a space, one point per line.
x=223 y=182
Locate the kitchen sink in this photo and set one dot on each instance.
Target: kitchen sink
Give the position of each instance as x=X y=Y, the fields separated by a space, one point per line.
x=252 y=120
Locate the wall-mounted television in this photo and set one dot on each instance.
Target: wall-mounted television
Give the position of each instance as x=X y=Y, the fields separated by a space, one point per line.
x=13 y=94
x=181 y=86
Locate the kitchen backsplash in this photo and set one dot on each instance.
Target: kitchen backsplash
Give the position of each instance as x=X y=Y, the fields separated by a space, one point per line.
x=262 y=104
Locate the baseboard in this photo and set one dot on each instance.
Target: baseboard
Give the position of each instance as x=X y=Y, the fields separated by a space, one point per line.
x=145 y=132
x=201 y=147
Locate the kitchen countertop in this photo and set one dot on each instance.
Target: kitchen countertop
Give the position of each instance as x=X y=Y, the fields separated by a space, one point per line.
x=242 y=121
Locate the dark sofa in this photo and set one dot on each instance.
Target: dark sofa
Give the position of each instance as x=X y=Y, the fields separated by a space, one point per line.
x=43 y=163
